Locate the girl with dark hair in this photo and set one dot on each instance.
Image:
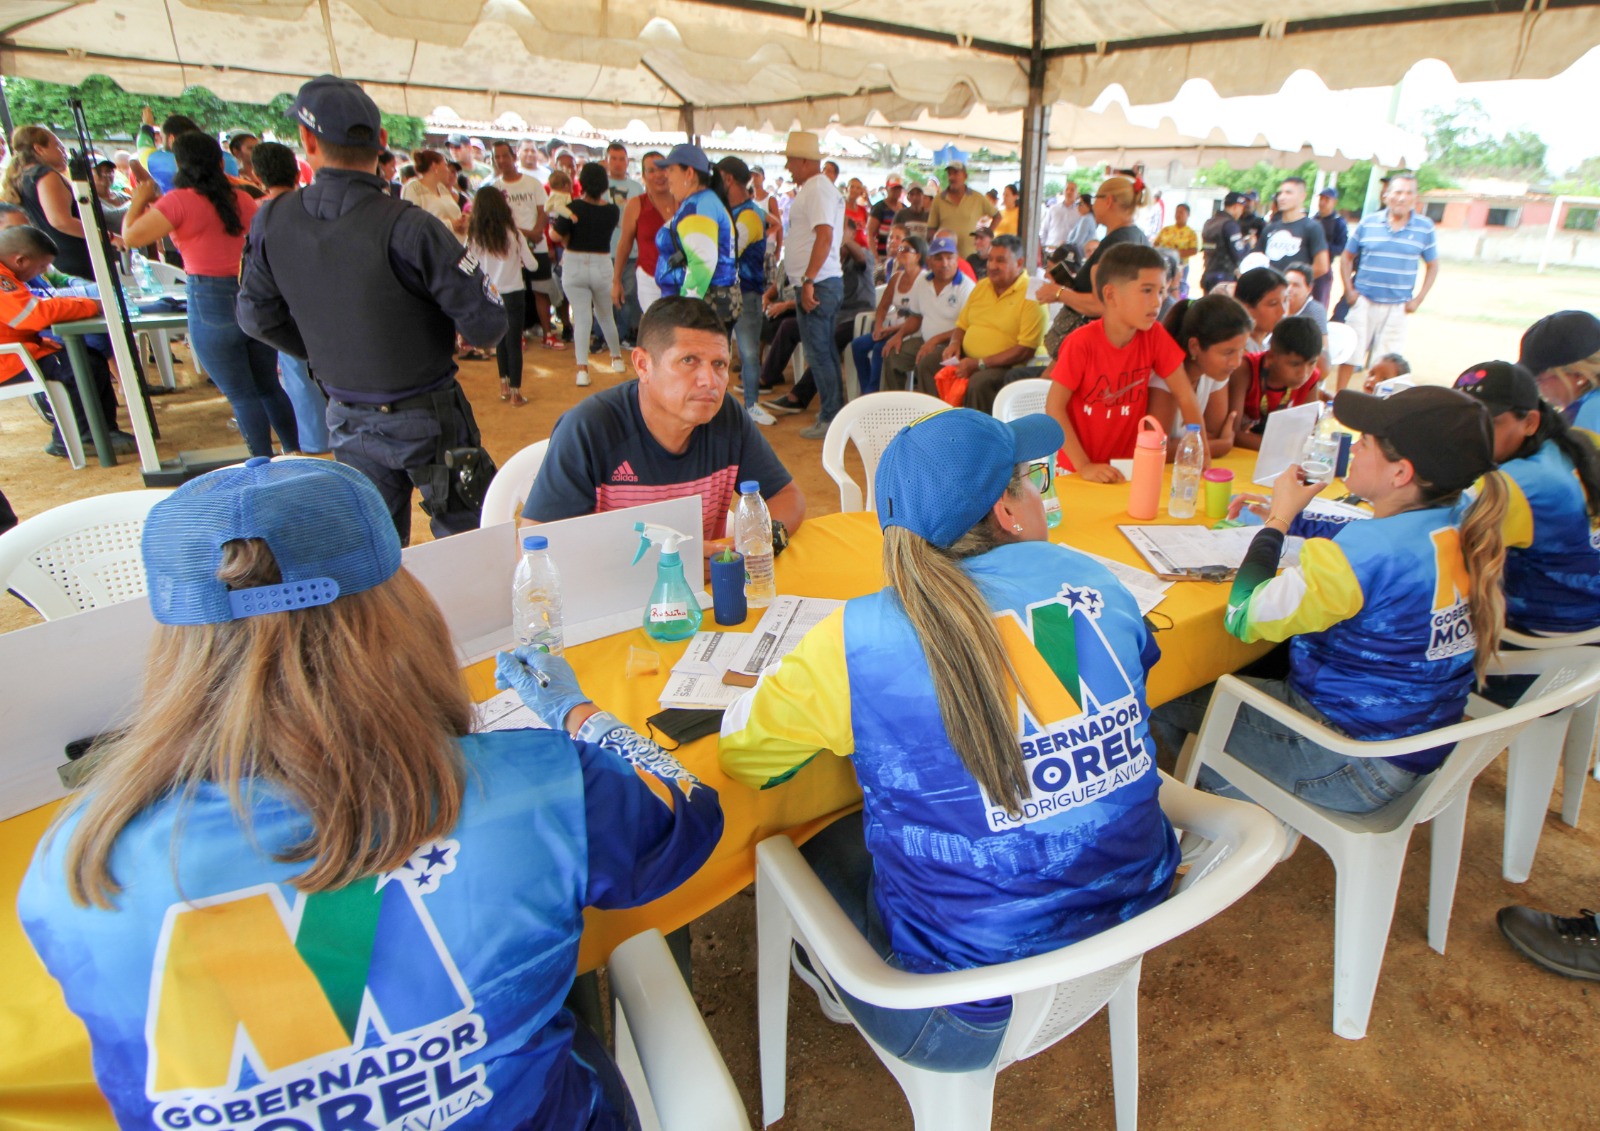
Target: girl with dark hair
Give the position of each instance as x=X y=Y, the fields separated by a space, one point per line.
x=207 y=217
x=1553 y=473
x=1212 y=331
x=587 y=267
x=503 y=254
x=1265 y=294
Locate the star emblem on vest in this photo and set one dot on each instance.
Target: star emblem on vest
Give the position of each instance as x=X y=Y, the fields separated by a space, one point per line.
x=624 y=473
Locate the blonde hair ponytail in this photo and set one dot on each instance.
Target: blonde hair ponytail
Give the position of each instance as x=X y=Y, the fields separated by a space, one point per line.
x=24 y=156
x=1120 y=189
x=1484 y=550
x=973 y=677
x=352 y=710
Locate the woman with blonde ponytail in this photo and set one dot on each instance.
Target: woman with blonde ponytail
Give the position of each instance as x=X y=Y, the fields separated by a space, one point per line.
x=1115 y=202
x=296 y=861
x=992 y=699
x=1392 y=620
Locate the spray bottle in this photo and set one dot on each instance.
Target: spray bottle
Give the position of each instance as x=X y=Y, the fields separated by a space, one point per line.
x=673 y=613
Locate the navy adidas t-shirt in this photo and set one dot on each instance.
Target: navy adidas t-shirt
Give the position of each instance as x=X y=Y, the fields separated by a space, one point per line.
x=602 y=457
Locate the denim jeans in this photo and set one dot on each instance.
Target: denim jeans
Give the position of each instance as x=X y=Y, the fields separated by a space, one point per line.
x=1311 y=772
x=869 y=361
x=747 y=333
x=310 y=405
x=822 y=357
x=586 y=276
x=244 y=369
x=936 y=1038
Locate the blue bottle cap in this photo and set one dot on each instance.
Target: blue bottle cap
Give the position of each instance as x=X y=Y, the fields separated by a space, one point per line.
x=1191 y=427
x=535 y=542
x=749 y=487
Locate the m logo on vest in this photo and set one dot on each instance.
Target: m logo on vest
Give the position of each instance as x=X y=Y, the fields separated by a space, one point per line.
x=1085 y=742
x=296 y=1012
x=1451 y=633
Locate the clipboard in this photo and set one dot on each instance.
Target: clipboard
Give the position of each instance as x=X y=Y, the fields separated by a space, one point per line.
x=1160 y=561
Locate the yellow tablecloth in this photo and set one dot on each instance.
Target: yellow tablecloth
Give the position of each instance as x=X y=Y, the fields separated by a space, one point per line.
x=45 y=1077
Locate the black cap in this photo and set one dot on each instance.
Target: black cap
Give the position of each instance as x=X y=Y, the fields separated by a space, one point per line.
x=1560 y=339
x=1234 y=198
x=332 y=107
x=1447 y=435
x=458 y=140
x=1501 y=386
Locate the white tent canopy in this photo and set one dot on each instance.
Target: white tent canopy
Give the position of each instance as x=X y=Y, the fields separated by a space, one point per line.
x=774 y=64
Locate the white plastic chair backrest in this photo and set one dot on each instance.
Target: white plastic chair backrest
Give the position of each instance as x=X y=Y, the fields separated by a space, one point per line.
x=509 y=488
x=1021 y=398
x=870 y=422
x=1557 y=672
x=1342 y=343
x=29 y=367
x=1537 y=643
x=167 y=275
x=80 y=555
x=1246 y=842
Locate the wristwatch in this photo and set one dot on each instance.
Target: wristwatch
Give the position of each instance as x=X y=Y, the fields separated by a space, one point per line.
x=807 y=281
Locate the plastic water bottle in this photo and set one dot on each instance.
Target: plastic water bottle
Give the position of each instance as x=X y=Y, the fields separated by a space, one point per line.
x=1321 y=452
x=1052 y=501
x=752 y=537
x=1186 y=468
x=536 y=598
x=144 y=275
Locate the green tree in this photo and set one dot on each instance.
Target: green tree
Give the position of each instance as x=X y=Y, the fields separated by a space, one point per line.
x=113 y=114
x=1460 y=141
x=1583 y=179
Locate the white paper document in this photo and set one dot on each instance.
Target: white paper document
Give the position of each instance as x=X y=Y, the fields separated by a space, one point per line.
x=687 y=689
x=506 y=711
x=1284 y=440
x=786 y=620
x=696 y=679
x=1192 y=549
x=1147 y=589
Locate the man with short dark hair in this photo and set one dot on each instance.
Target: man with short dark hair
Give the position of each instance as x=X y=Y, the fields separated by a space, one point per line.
x=1181 y=238
x=1337 y=234
x=157 y=160
x=830 y=169
x=372 y=291
x=670 y=433
x=914 y=216
x=882 y=218
x=998 y=331
x=623 y=189
x=1291 y=236
x=978 y=262
x=1250 y=221
x=1225 y=243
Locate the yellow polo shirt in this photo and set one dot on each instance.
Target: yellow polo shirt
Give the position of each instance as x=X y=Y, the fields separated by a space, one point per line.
x=998 y=322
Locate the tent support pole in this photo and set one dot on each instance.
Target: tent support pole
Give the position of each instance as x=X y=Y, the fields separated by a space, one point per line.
x=5 y=111
x=1035 y=145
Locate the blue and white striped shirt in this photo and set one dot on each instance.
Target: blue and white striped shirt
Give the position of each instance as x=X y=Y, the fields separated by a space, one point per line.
x=1387 y=271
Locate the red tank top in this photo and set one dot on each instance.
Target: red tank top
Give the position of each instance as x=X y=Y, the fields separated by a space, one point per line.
x=650 y=222
x=1261 y=399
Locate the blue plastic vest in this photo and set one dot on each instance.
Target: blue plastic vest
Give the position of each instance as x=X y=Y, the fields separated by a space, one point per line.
x=1553 y=586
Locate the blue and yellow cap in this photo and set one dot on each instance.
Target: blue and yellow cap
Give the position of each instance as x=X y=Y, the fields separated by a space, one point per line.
x=943 y=472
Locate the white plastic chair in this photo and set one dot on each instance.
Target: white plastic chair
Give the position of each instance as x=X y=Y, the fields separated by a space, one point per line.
x=1021 y=398
x=160 y=341
x=1342 y=343
x=847 y=363
x=1052 y=993
x=674 y=1073
x=869 y=422
x=1566 y=740
x=80 y=555
x=32 y=380
x=509 y=488
x=1368 y=850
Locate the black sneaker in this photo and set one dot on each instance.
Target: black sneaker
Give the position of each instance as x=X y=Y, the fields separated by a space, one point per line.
x=1565 y=946
x=55 y=448
x=121 y=442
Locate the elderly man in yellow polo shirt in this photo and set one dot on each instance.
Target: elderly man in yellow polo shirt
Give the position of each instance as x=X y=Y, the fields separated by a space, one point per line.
x=998 y=333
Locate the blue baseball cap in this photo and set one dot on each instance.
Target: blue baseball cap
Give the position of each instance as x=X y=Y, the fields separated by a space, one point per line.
x=689 y=156
x=325 y=523
x=332 y=107
x=912 y=484
x=941 y=244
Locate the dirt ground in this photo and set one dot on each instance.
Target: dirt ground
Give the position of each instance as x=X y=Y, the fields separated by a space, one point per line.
x=1234 y=1017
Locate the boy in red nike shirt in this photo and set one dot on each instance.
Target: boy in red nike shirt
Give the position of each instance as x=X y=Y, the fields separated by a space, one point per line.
x=1102 y=374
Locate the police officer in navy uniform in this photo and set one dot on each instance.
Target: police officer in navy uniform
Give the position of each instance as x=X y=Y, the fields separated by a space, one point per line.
x=372 y=291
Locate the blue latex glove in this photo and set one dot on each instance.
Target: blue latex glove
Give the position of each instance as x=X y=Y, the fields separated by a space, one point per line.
x=520 y=669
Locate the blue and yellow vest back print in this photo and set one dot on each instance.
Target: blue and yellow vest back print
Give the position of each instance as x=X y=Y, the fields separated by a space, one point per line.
x=426 y=998
x=960 y=882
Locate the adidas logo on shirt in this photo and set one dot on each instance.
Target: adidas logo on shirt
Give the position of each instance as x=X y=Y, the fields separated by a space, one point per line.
x=624 y=474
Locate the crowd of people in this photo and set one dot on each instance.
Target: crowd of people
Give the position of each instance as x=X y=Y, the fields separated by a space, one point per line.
x=245 y=768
